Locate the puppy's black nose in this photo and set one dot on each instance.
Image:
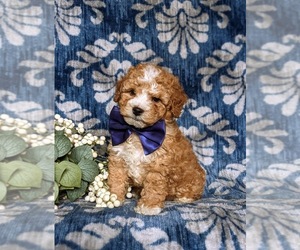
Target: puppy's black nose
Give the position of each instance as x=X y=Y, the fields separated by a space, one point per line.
x=137 y=111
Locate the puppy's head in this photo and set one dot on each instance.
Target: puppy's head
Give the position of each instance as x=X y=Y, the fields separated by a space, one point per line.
x=148 y=93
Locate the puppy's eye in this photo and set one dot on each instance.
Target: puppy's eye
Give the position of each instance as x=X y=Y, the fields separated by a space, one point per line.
x=155 y=99
x=131 y=92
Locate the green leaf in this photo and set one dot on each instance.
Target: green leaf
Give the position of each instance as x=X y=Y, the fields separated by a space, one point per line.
x=89 y=169
x=55 y=152
x=35 y=193
x=61 y=188
x=8 y=132
x=36 y=154
x=6 y=171
x=81 y=152
x=68 y=174
x=59 y=132
x=62 y=144
x=3 y=152
x=56 y=190
x=26 y=175
x=3 y=191
x=77 y=192
x=13 y=144
x=10 y=188
x=47 y=167
x=59 y=170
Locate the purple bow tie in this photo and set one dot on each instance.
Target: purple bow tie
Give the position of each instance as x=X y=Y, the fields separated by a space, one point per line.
x=151 y=137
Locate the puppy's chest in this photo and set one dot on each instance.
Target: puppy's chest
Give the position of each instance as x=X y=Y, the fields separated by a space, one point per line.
x=132 y=153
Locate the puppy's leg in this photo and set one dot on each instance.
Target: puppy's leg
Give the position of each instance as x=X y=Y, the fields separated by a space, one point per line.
x=117 y=178
x=192 y=186
x=153 y=195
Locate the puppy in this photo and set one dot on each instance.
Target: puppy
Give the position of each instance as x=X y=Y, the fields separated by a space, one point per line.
x=148 y=150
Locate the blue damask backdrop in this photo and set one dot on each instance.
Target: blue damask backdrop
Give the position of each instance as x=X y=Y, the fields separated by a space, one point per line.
x=204 y=44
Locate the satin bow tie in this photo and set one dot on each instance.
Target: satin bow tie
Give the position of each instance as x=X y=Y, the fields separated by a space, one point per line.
x=151 y=137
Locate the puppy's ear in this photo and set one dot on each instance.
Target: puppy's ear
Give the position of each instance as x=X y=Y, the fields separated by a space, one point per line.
x=120 y=83
x=118 y=90
x=178 y=98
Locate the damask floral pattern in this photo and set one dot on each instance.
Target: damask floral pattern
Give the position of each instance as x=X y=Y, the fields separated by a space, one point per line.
x=272 y=125
x=283 y=87
x=234 y=88
x=220 y=219
x=67 y=20
x=210 y=67
x=183 y=27
x=178 y=35
x=19 y=19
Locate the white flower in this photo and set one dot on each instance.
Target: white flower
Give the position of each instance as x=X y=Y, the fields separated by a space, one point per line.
x=18 y=19
x=234 y=87
x=67 y=20
x=182 y=26
x=283 y=87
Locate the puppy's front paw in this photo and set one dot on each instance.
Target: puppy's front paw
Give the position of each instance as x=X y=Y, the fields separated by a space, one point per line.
x=141 y=209
x=185 y=200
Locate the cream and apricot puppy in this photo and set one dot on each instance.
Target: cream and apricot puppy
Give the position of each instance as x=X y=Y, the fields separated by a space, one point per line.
x=151 y=96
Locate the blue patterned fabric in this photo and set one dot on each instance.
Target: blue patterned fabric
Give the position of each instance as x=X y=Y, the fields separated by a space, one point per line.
x=273 y=165
x=201 y=42
x=206 y=66
x=26 y=89
x=27 y=57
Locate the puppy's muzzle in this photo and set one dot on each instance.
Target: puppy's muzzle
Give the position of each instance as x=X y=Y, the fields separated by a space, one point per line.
x=137 y=111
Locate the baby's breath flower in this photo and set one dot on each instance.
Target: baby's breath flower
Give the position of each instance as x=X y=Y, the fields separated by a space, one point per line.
x=99 y=200
x=4 y=116
x=113 y=198
x=129 y=195
x=117 y=203
x=7 y=128
x=21 y=131
x=110 y=204
x=68 y=131
x=9 y=120
x=60 y=120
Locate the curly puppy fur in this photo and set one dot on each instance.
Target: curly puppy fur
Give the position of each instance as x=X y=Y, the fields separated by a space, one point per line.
x=171 y=172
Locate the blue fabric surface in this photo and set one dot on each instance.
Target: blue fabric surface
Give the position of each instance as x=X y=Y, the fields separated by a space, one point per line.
x=211 y=68
x=27 y=60
x=201 y=42
x=205 y=68
x=273 y=165
x=206 y=224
